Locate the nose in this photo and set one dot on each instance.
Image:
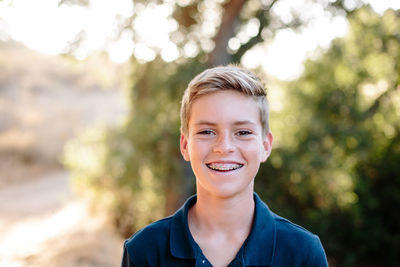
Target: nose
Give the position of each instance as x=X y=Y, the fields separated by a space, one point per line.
x=224 y=144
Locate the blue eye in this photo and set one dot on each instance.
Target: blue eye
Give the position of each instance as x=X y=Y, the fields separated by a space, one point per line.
x=244 y=132
x=206 y=132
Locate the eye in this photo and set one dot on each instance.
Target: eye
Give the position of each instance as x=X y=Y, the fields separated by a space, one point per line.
x=244 y=132
x=206 y=132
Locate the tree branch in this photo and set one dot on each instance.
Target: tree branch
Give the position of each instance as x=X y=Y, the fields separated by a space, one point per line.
x=255 y=39
x=374 y=107
x=264 y=22
x=231 y=12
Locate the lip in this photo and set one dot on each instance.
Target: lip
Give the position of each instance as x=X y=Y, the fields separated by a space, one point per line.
x=224 y=166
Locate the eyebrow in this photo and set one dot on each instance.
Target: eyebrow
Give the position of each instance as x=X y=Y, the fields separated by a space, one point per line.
x=244 y=122
x=205 y=123
x=236 y=123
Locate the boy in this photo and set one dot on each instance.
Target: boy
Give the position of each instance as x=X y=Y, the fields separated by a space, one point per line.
x=225 y=136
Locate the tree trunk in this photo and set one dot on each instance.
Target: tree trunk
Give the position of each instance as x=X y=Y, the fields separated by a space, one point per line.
x=226 y=30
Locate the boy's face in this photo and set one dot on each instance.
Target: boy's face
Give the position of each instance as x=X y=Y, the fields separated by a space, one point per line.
x=224 y=143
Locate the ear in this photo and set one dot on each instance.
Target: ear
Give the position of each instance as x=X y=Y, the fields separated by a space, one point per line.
x=267 y=146
x=184 y=147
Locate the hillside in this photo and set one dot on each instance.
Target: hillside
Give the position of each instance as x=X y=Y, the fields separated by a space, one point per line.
x=45 y=100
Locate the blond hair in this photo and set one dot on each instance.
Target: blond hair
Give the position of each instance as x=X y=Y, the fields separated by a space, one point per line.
x=225 y=78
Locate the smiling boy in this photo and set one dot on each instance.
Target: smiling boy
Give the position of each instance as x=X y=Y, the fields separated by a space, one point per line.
x=225 y=136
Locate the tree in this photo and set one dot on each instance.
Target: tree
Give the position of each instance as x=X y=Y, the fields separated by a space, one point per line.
x=139 y=173
x=338 y=170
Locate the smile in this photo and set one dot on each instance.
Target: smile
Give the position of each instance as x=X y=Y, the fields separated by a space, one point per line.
x=224 y=166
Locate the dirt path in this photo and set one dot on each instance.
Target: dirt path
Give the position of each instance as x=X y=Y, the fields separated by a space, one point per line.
x=44 y=104
x=42 y=223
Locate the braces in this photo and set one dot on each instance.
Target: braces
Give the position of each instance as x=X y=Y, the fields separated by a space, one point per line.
x=220 y=167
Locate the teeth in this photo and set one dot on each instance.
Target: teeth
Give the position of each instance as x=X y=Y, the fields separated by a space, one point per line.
x=224 y=166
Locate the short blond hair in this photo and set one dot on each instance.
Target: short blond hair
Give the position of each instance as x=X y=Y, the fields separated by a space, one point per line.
x=225 y=78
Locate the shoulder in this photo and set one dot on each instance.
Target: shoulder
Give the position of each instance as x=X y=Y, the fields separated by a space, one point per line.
x=289 y=230
x=154 y=234
x=154 y=244
x=298 y=242
x=147 y=246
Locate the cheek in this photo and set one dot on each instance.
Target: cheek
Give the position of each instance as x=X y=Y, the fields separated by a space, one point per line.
x=253 y=150
x=195 y=149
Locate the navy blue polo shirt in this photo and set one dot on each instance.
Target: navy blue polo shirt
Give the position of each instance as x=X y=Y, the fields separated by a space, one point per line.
x=273 y=241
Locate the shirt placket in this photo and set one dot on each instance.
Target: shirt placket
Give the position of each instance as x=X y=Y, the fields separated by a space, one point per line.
x=201 y=261
x=237 y=262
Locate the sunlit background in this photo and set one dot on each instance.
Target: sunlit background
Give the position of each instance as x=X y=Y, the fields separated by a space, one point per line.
x=89 y=100
x=48 y=27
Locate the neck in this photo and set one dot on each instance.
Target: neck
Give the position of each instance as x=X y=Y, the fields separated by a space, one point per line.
x=229 y=215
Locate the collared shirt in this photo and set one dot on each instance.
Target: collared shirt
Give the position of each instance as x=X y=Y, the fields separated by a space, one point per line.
x=273 y=241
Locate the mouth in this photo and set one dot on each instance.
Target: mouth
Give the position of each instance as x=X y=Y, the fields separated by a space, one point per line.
x=224 y=167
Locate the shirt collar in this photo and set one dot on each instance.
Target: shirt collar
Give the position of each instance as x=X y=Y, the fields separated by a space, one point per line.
x=258 y=248
x=182 y=244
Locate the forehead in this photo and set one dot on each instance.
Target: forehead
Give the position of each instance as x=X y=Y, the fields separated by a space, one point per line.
x=225 y=107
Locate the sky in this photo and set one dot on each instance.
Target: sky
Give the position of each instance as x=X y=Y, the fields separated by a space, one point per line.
x=44 y=26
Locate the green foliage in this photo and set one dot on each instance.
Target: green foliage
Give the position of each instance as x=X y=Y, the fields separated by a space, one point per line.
x=335 y=169
x=136 y=171
x=342 y=178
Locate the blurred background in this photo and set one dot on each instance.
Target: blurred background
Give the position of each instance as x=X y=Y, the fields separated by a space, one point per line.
x=89 y=119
